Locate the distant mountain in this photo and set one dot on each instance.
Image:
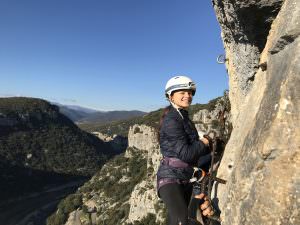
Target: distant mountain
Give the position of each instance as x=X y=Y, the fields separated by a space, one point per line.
x=36 y=139
x=81 y=115
x=81 y=109
x=107 y=117
x=73 y=114
x=121 y=127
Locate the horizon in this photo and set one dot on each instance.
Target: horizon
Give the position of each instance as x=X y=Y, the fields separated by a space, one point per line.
x=97 y=110
x=109 y=55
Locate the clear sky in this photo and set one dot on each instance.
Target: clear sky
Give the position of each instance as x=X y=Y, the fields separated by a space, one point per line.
x=109 y=54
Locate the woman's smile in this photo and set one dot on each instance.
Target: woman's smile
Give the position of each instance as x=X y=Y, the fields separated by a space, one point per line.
x=182 y=98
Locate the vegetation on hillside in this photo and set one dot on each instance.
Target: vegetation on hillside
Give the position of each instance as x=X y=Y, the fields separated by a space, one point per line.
x=36 y=139
x=109 y=116
x=115 y=183
x=66 y=206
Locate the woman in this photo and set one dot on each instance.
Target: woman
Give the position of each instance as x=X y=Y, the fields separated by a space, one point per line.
x=181 y=149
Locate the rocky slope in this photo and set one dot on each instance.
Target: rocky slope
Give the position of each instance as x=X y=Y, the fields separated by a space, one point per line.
x=262 y=158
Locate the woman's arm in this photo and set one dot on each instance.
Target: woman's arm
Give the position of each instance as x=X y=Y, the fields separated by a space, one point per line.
x=175 y=139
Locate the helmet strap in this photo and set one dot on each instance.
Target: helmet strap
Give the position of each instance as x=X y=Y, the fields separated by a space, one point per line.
x=176 y=107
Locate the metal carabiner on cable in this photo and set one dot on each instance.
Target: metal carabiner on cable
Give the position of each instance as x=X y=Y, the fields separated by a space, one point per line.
x=221 y=59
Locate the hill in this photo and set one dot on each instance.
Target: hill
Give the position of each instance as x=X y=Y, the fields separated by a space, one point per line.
x=109 y=116
x=36 y=139
x=83 y=115
x=74 y=113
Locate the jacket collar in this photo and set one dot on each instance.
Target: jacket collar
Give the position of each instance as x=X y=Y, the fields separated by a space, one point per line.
x=182 y=112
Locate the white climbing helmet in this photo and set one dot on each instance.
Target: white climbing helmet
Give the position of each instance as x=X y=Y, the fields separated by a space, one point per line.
x=179 y=83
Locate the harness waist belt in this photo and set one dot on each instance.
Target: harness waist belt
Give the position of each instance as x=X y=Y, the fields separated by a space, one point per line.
x=174 y=162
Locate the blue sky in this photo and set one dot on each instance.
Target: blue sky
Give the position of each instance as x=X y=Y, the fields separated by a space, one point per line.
x=108 y=54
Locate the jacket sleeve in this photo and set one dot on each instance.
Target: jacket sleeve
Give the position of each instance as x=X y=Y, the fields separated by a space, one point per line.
x=186 y=150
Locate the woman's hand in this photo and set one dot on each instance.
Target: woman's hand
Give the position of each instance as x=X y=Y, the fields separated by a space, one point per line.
x=205 y=141
x=205 y=207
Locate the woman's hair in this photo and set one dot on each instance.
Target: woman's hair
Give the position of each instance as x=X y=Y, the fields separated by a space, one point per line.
x=165 y=112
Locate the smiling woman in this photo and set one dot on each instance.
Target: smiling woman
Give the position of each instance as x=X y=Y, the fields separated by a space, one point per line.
x=182 y=149
x=182 y=98
x=179 y=91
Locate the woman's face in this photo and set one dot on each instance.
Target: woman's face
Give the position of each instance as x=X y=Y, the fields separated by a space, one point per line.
x=182 y=98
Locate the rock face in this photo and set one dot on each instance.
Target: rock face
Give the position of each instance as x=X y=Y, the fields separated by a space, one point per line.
x=103 y=137
x=261 y=162
x=117 y=142
x=145 y=138
x=143 y=199
x=217 y=120
x=245 y=26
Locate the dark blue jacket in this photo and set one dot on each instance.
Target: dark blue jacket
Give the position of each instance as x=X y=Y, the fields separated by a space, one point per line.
x=179 y=139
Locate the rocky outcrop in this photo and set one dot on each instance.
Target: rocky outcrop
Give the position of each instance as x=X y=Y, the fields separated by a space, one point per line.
x=245 y=27
x=142 y=137
x=143 y=199
x=103 y=137
x=117 y=142
x=217 y=121
x=145 y=138
x=261 y=162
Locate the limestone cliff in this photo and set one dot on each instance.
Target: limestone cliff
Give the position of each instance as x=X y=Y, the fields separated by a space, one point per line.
x=245 y=27
x=261 y=162
x=143 y=199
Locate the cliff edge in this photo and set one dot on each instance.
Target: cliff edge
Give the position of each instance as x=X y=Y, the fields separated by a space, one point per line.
x=261 y=162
